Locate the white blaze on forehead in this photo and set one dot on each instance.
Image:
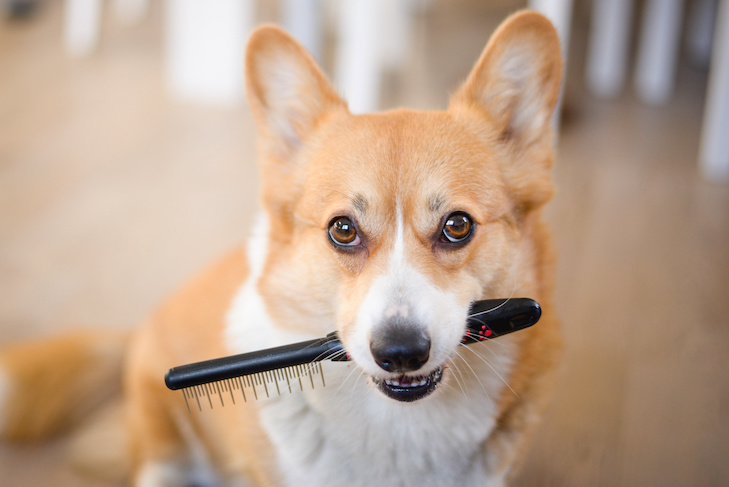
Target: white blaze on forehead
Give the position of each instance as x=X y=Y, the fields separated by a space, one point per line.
x=398 y=251
x=397 y=270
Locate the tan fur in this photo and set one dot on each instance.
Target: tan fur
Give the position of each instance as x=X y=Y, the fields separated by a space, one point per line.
x=105 y=426
x=188 y=329
x=401 y=171
x=55 y=383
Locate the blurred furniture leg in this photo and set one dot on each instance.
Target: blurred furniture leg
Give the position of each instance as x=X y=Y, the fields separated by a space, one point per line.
x=81 y=25
x=396 y=31
x=373 y=35
x=714 y=150
x=82 y=22
x=607 y=57
x=658 y=50
x=204 y=43
x=303 y=20
x=560 y=13
x=359 y=62
x=130 y=12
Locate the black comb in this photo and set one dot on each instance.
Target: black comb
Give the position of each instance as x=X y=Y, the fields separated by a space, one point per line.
x=487 y=319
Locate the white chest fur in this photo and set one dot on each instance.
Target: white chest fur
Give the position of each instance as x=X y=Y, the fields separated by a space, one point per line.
x=352 y=433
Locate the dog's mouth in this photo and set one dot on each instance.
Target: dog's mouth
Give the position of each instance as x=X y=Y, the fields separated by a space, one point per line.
x=409 y=388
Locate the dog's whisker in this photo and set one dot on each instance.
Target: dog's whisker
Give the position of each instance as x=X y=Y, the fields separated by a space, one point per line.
x=356 y=372
x=474 y=315
x=475 y=375
x=457 y=376
x=311 y=366
x=485 y=361
x=488 y=347
x=475 y=340
x=362 y=391
x=505 y=301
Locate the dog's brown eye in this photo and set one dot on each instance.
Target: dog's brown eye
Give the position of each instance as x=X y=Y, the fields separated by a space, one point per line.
x=458 y=227
x=342 y=232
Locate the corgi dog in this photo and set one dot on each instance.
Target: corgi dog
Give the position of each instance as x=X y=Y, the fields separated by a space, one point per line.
x=383 y=227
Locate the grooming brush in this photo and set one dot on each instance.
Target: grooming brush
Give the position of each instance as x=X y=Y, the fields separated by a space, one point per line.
x=274 y=371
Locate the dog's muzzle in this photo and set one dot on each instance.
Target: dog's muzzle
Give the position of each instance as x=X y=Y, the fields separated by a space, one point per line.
x=403 y=349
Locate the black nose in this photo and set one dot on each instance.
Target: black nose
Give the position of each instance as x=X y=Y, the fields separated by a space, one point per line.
x=400 y=348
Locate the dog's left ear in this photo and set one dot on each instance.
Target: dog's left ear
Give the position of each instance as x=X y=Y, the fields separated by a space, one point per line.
x=287 y=91
x=510 y=96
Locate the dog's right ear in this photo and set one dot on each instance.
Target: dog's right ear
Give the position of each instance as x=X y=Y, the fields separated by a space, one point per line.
x=514 y=88
x=287 y=91
x=515 y=83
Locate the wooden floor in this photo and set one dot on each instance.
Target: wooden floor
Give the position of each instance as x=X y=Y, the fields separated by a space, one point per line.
x=111 y=194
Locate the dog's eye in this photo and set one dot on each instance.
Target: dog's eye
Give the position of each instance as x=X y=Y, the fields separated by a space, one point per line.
x=457 y=227
x=342 y=232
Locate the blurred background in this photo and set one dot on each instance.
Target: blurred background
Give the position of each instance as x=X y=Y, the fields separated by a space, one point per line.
x=127 y=162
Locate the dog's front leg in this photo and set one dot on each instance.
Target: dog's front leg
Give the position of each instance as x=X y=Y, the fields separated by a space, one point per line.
x=504 y=450
x=523 y=405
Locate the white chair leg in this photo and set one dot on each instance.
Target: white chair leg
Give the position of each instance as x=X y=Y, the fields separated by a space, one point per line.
x=658 y=50
x=204 y=43
x=81 y=26
x=359 y=60
x=607 y=58
x=303 y=20
x=130 y=12
x=395 y=32
x=560 y=13
x=714 y=150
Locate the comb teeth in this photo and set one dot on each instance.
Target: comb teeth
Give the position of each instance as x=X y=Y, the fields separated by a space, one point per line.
x=272 y=383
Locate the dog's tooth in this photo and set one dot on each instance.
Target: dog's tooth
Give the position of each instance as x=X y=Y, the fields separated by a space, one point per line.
x=407 y=382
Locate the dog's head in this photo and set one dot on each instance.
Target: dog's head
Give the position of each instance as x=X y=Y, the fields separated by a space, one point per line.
x=389 y=225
